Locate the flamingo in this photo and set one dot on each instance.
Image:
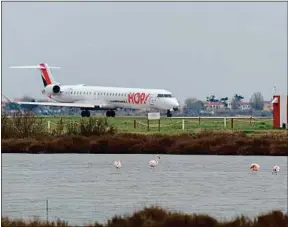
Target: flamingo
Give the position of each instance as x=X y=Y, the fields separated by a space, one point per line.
x=117 y=164
x=275 y=169
x=153 y=163
x=254 y=167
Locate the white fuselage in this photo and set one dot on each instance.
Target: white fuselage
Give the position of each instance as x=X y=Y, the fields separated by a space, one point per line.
x=98 y=97
x=116 y=97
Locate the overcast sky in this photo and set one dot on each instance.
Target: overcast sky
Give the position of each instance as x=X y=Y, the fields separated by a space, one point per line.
x=191 y=49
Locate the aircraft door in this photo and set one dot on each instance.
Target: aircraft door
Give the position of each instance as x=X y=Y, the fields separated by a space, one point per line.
x=152 y=99
x=96 y=96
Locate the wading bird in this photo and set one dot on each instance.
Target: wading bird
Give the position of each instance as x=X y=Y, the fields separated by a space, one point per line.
x=275 y=169
x=117 y=164
x=254 y=167
x=153 y=163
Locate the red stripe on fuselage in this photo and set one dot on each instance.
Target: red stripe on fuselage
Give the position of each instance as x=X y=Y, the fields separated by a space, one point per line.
x=45 y=73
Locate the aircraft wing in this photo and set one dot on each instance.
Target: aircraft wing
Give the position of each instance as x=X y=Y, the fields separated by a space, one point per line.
x=61 y=104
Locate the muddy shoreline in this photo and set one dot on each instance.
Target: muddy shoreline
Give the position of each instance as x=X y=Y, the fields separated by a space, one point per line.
x=207 y=143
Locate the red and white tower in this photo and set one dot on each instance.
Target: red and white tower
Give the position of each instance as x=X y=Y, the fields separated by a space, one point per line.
x=280 y=111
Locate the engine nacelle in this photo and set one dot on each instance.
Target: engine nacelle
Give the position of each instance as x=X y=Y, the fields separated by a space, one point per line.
x=52 y=89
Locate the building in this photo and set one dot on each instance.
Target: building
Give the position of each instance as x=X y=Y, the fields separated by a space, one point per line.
x=245 y=106
x=211 y=106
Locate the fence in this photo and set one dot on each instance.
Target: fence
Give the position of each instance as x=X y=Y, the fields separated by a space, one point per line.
x=176 y=123
x=186 y=123
x=224 y=119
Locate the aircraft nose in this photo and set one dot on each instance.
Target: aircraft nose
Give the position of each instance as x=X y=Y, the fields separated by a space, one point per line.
x=176 y=105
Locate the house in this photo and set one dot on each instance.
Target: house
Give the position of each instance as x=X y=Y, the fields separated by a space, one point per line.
x=268 y=106
x=244 y=105
x=211 y=106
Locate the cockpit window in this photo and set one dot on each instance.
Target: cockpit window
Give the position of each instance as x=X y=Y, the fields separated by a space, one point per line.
x=164 y=95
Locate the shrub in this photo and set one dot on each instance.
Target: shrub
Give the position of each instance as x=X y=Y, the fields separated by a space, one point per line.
x=159 y=217
x=86 y=127
x=21 y=125
x=26 y=124
x=96 y=126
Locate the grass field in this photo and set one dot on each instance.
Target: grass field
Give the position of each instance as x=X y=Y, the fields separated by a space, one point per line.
x=174 y=125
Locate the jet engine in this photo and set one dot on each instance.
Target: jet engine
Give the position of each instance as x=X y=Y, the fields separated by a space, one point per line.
x=52 y=89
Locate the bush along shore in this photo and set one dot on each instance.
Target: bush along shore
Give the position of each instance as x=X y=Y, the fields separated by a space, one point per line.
x=25 y=133
x=158 y=217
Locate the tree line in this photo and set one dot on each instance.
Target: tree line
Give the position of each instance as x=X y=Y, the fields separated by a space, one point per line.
x=256 y=102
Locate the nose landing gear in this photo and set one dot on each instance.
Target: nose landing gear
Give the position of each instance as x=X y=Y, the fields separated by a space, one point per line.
x=110 y=113
x=169 y=114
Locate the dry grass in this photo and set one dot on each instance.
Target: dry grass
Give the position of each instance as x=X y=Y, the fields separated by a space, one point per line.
x=221 y=143
x=158 y=217
x=27 y=125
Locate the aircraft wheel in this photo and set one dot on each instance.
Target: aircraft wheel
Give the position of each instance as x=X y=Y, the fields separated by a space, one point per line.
x=110 y=113
x=85 y=113
x=169 y=114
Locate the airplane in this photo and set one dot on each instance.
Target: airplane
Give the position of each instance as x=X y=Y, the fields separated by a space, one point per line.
x=99 y=97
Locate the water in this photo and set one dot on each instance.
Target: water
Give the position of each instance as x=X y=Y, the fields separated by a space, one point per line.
x=81 y=188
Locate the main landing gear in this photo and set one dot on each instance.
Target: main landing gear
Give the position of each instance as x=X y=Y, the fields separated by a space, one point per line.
x=169 y=114
x=110 y=113
x=85 y=113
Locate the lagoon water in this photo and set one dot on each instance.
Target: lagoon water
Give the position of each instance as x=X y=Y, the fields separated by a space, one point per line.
x=81 y=188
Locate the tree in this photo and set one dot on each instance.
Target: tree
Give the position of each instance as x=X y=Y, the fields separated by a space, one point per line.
x=12 y=106
x=236 y=101
x=224 y=101
x=194 y=104
x=238 y=97
x=257 y=101
x=211 y=98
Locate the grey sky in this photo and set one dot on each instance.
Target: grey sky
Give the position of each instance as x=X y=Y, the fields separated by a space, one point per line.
x=191 y=49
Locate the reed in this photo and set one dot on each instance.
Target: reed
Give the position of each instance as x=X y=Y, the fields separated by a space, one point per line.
x=158 y=217
x=204 y=143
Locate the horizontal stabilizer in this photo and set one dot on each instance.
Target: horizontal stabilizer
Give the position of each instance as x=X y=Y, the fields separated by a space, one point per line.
x=9 y=100
x=34 y=67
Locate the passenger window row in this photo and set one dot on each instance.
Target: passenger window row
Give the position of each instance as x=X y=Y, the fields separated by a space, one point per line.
x=94 y=93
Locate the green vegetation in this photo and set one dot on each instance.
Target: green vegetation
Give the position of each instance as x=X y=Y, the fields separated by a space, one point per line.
x=171 y=125
x=158 y=217
x=23 y=125
x=27 y=133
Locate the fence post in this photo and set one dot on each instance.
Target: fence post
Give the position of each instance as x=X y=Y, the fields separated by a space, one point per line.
x=232 y=123
x=134 y=123
x=49 y=126
x=183 y=124
x=199 y=120
x=47 y=210
x=148 y=126
x=225 y=122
